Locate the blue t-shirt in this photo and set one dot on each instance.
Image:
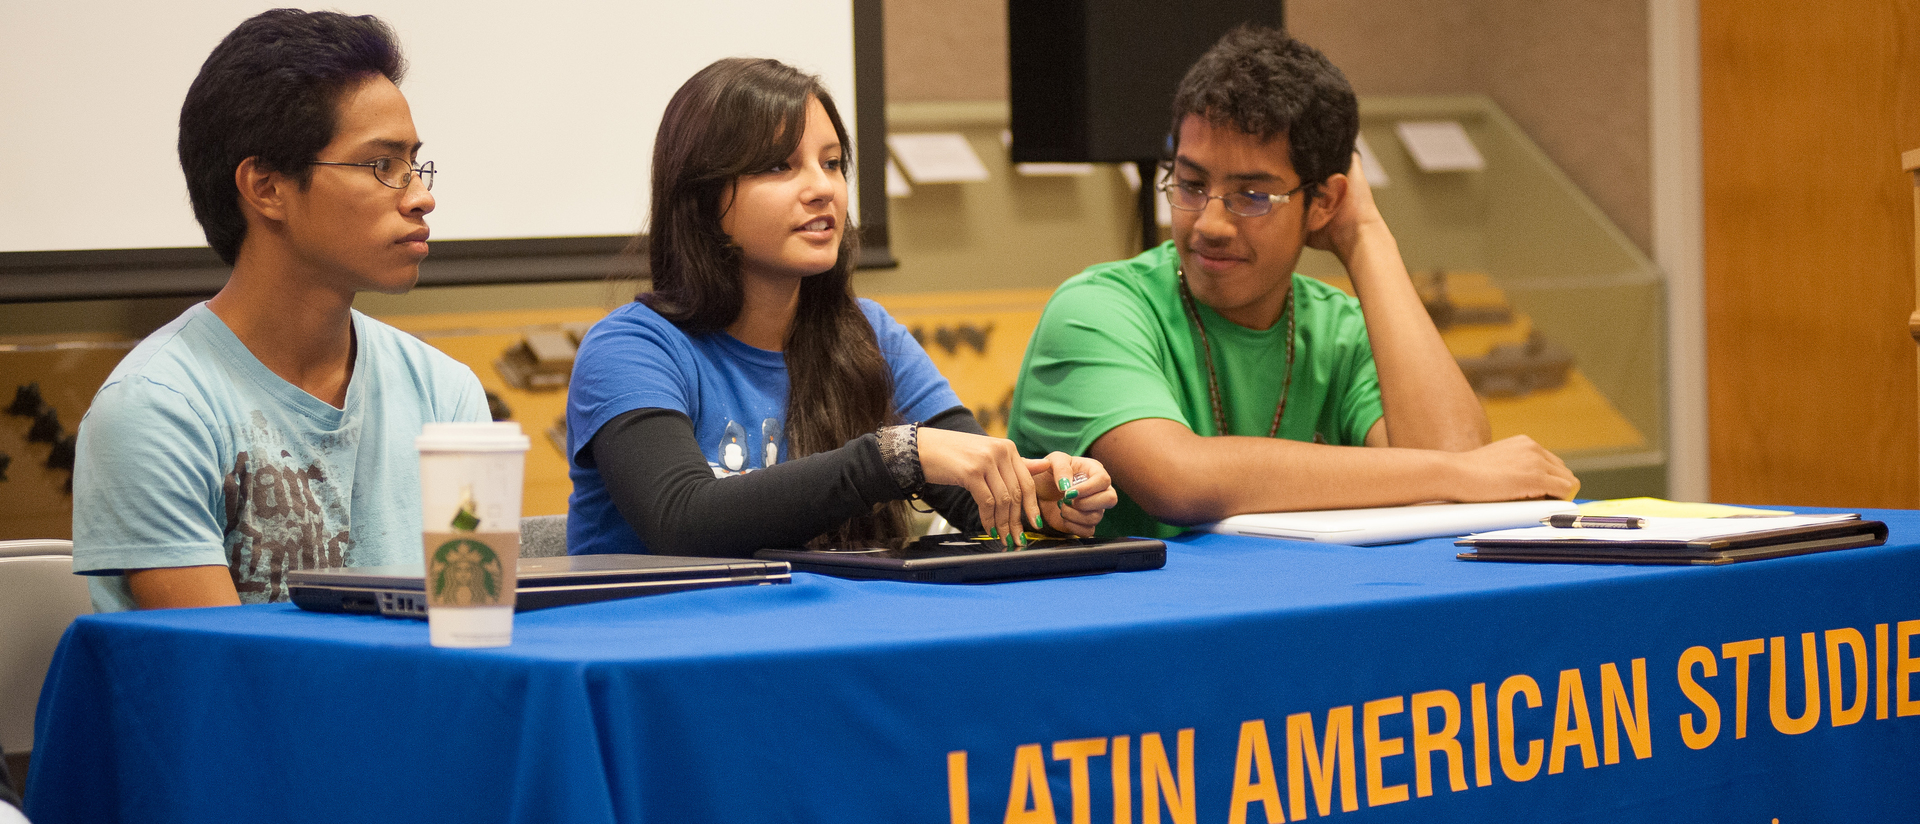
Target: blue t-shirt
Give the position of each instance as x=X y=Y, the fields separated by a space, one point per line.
x=735 y=394
x=194 y=453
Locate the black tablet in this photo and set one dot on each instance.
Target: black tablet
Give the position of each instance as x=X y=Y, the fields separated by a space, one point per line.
x=962 y=559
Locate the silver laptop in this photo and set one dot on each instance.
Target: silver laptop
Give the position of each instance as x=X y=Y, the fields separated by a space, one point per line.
x=1391 y=524
x=400 y=590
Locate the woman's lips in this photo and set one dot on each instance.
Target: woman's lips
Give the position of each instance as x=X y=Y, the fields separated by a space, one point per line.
x=818 y=229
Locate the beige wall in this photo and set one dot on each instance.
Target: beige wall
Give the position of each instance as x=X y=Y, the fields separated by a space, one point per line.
x=1572 y=73
x=946 y=50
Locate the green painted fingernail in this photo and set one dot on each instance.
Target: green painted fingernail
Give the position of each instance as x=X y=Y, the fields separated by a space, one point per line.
x=1039 y=522
x=995 y=532
x=1064 y=485
x=1072 y=494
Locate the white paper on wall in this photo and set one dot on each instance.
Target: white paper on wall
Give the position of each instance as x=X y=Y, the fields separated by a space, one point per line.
x=1370 y=165
x=1053 y=169
x=937 y=157
x=1440 y=146
x=897 y=185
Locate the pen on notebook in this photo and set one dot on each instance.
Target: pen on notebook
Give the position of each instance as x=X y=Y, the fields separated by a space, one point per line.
x=1567 y=521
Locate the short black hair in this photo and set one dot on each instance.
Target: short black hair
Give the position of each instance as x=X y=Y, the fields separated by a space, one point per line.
x=270 y=91
x=1261 y=81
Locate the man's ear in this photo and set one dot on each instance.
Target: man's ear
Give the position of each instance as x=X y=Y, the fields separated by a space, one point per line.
x=1326 y=201
x=261 y=192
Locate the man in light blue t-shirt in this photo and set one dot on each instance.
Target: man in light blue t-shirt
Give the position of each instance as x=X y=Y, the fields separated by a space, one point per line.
x=271 y=428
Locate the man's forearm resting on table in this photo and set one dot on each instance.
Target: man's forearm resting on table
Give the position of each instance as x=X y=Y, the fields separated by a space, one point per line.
x=1182 y=478
x=173 y=587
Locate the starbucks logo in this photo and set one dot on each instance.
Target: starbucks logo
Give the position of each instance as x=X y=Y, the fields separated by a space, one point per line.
x=466 y=573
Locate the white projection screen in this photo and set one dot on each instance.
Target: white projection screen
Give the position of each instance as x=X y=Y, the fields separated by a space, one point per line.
x=90 y=96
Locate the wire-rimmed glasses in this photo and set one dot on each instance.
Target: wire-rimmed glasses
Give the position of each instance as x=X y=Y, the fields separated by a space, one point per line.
x=1193 y=197
x=393 y=172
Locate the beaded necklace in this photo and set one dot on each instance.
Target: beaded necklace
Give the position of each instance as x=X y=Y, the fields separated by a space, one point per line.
x=1213 y=379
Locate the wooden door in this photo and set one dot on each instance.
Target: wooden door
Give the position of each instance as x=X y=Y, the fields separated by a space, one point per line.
x=1805 y=109
x=1911 y=162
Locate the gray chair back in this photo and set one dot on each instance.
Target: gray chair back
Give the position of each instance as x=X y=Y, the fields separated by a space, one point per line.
x=39 y=597
x=543 y=536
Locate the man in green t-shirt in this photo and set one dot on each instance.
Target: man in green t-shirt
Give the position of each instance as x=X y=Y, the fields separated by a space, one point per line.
x=1213 y=381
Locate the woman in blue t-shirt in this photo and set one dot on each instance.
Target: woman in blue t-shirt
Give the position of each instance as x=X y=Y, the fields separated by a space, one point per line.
x=750 y=400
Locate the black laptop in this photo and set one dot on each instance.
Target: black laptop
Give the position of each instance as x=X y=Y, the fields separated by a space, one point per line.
x=400 y=590
x=961 y=559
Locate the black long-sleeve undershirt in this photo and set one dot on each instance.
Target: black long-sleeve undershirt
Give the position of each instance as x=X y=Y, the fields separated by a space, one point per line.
x=662 y=485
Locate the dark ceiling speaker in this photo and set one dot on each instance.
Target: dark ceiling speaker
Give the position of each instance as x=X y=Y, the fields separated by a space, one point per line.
x=1093 y=80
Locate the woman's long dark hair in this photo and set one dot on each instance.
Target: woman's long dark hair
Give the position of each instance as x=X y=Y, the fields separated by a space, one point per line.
x=735 y=117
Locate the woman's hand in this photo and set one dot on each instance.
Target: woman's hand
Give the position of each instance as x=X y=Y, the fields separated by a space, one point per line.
x=1074 y=492
x=989 y=468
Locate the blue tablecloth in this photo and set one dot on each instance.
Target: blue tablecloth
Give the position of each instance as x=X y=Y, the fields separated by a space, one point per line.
x=1248 y=671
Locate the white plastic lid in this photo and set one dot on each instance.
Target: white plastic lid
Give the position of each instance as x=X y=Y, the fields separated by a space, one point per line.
x=495 y=436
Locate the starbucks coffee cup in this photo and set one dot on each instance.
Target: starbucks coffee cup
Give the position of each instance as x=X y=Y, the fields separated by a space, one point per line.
x=470 y=477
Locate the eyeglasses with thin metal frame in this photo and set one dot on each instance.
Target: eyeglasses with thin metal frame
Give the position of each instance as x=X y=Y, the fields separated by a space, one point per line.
x=1188 y=197
x=391 y=171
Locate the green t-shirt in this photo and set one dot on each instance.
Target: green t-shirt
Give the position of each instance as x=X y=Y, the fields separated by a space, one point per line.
x=1114 y=345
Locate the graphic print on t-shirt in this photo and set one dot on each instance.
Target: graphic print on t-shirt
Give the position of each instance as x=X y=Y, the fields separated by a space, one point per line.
x=732 y=451
x=281 y=516
x=770 y=442
x=737 y=456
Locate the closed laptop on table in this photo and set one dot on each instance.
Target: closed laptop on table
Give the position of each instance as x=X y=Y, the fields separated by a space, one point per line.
x=400 y=590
